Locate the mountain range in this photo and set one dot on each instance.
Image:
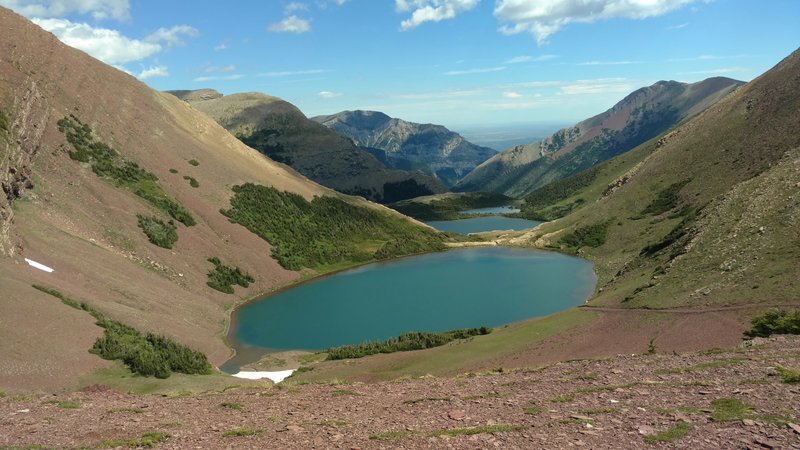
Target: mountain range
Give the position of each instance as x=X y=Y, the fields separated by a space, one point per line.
x=639 y=117
x=410 y=146
x=281 y=131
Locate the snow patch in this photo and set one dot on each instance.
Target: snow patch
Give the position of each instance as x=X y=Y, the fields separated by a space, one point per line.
x=276 y=377
x=39 y=266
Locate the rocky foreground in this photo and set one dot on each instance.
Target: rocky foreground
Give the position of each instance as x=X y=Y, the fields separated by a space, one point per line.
x=735 y=398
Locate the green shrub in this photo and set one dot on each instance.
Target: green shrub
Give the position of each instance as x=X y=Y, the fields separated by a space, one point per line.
x=148 y=440
x=192 y=182
x=590 y=235
x=666 y=199
x=146 y=355
x=788 y=375
x=326 y=230
x=194 y=162
x=243 y=432
x=173 y=170
x=162 y=234
x=108 y=164
x=222 y=277
x=404 y=342
x=539 y=203
x=775 y=322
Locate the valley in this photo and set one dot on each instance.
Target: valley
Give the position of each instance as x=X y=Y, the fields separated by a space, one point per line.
x=630 y=280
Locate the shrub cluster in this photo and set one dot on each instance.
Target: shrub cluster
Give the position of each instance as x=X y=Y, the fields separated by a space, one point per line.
x=326 y=230
x=222 y=277
x=107 y=163
x=192 y=181
x=539 y=203
x=403 y=343
x=666 y=199
x=590 y=236
x=146 y=355
x=775 y=321
x=160 y=233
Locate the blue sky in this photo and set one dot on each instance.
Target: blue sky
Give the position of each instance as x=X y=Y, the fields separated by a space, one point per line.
x=453 y=62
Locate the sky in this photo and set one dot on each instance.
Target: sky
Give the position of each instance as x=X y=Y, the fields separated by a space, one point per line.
x=453 y=62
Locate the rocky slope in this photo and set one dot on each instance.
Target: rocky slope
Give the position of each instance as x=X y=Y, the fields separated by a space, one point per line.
x=732 y=398
x=279 y=130
x=640 y=116
x=155 y=156
x=407 y=145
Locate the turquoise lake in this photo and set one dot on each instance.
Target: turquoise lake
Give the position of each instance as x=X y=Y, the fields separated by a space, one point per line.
x=459 y=288
x=485 y=223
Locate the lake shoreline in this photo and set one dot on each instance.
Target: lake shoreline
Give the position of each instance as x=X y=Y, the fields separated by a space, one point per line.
x=236 y=345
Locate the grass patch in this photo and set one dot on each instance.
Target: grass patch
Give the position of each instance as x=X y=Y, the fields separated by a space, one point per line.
x=602 y=410
x=403 y=343
x=680 y=430
x=532 y=410
x=469 y=431
x=564 y=398
x=192 y=181
x=333 y=423
x=107 y=163
x=325 y=231
x=788 y=375
x=160 y=233
x=586 y=236
x=775 y=322
x=146 y=355
x=147 y=440
x=243 y=432
x=222 y=277
x=125 y=410
x=389 y=435
x=730 y=409
x=65 y=404
x=232 y=405
x=194 y=162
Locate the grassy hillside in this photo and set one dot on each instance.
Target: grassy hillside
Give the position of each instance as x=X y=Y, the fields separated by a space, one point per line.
x=704 y=215
x=449 y=206
x=119 y=189
x=642 y=115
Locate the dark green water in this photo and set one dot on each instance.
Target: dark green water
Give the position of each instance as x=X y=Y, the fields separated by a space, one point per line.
x=479 y=224
x=435 y=292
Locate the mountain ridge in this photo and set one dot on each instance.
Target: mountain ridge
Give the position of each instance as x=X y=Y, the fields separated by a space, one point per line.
x=639 y=116
x=281 y=131
x=399 y=143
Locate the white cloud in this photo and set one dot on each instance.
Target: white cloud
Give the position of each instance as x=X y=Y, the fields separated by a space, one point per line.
x=599 y=86
x=511 y=94
x=172 y=36
x=98 y=9
x=431 y=10
x=474 y=71
x=528 y=58
x=219 y=78
x=679 y=26
x=720 y=71
x=291 y=24
x=217 y=69
x=153 y=71
x=294 y=6
x=106 y=45
x=325 y=95
x=608 y=63
x=110 y=46
x=221 y=46
x=290 y=73
x=543 y=18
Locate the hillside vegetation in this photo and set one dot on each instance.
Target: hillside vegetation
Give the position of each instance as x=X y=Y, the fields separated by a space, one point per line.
x=325 y=231
x=701 y=216
x=449 y=206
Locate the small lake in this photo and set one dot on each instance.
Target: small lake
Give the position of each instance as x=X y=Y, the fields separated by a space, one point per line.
x=459 y=288
x=496 y=210
x=484 y=223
